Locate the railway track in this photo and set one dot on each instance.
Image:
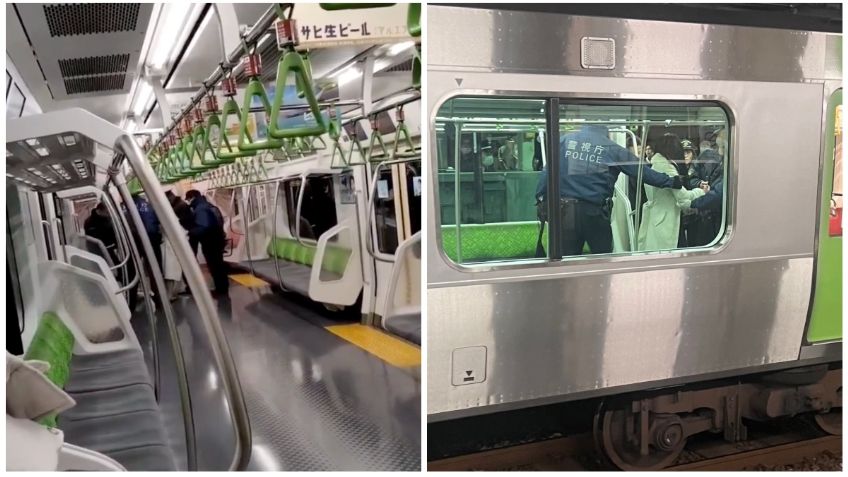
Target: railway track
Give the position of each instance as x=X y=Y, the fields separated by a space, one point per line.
x=578 y=453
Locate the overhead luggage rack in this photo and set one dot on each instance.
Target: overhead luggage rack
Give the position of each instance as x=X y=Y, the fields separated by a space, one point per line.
x=52 y=163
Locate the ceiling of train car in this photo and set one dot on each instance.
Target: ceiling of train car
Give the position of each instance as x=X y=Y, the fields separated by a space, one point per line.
x=68 y=59
x=200 y=45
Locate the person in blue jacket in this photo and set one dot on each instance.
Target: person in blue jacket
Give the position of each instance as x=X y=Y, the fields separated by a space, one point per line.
x=589 y=166
x=208 y=231
x=710 y=205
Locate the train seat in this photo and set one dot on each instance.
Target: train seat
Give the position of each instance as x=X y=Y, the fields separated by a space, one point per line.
x=297 y=260
x=495 y=241
x=405 y=323
x=116 y=412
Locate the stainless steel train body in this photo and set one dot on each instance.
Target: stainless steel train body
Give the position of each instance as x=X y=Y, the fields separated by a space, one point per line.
x=541 y=331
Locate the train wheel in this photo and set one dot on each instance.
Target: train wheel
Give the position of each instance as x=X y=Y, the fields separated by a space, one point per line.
x=830 y=422
x=619 y=441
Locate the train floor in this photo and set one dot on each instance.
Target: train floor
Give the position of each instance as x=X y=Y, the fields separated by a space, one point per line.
x=316 y=400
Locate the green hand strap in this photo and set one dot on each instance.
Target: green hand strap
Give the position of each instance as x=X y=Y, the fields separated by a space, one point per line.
x=186 y=148
x=335 y=132
x=213 y=123
x=402 y=130
x=376 y=136
x=255 y=88
x=413 y=19
x=355 y=144
x=225 y=150
x=416 y=68
x=201 y=150
x=293 y=62
x=303 y=86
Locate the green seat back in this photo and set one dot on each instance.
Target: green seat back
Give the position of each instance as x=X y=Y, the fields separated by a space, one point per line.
x=335 y=259
x=53 y=342
x=498 y=241
x=288 y=249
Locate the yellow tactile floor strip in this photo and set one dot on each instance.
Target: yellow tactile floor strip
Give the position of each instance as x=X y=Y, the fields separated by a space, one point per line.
x=248 y=280
x=382 y=345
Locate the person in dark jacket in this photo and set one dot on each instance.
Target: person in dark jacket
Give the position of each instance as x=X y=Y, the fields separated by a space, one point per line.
x=151 y=225
x=99 y=225
x=208 y=231
x=184 y=214
x=700 y=229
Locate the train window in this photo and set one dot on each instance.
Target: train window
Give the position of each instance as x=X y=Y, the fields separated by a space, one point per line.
x=318 y=211
x=619 y=163
x=489 y=158
x=385 y=212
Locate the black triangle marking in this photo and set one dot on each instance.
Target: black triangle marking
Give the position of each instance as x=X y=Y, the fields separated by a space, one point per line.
x=459 y=81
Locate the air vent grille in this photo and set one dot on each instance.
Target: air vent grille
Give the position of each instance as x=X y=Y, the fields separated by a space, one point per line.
x=93 y=84
x=90 y=18
x=94 y=65
x=597 y=53
x=405 y=66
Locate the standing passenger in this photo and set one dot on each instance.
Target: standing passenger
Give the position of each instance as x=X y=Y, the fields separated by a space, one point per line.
x=660 y=227
x=208 y=231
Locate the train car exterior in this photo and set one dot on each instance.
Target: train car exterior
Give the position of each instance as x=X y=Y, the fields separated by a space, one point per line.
x=506 y=334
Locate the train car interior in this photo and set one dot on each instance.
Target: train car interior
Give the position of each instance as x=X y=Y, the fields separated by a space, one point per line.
x=296 y=127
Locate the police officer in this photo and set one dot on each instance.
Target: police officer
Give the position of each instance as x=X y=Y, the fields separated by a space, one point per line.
x=589 y=166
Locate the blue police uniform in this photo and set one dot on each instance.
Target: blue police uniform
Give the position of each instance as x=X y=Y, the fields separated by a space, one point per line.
x=589 y=166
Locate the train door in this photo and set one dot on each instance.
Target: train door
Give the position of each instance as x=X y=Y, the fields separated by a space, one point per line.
x=396 y=199
x=826 y=316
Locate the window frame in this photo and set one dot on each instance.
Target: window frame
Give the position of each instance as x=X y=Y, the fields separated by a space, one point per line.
x=291 y=206
x=553 y=101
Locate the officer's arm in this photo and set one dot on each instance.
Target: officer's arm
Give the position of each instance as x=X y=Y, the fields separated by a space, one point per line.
x=711 y=200
x=629 y=164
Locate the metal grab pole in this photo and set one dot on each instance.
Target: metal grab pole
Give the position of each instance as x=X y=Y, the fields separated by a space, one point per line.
x=457 y=197
x=297 y=211
x=274 y=235
x=159 y=281
x=122 y=238
x=145 y=288
x=221 y=350
x=246 y=224
x=639 y=185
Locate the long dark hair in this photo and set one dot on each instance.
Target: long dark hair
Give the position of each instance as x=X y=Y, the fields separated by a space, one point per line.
x=669 y=146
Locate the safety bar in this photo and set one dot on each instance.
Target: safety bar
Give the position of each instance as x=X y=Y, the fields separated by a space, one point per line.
x=127 y=146
x=246 y=221
x=274 y=234
x=402 y=248
x=101 y=247
x=129 y=285
x=369 y=246
x=59 y=226
x=300 y=194
x=48 y=234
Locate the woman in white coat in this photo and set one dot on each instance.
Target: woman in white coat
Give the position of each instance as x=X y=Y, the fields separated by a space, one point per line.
x=660 y=226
